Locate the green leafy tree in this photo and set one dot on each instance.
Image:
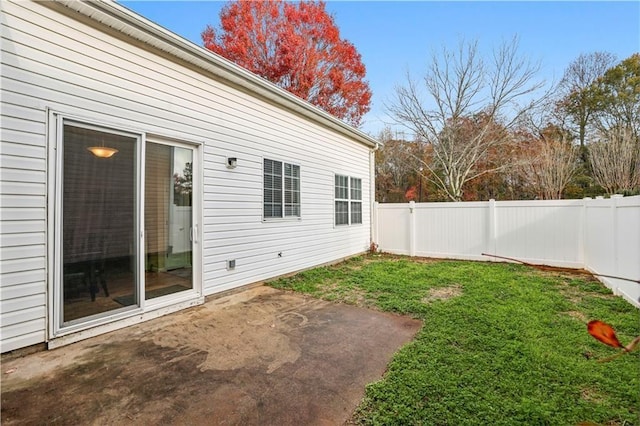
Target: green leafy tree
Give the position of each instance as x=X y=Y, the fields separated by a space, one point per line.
x=618 y=96
x=578 y=96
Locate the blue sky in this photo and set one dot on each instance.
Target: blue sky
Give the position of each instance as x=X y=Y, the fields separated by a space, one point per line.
x=394 y=37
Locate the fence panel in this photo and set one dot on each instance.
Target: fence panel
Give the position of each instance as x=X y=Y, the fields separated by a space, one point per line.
x=543 y=232
x=452 y=230
x=392 y=228
x=601 y=235
x=612 y=243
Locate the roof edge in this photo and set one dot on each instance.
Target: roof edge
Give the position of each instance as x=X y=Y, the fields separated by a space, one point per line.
x=115 y=15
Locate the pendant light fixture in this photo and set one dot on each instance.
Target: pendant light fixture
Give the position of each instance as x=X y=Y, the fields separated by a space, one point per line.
x=102 y=151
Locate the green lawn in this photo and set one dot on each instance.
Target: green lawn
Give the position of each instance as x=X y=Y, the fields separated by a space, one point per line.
x=501 y=343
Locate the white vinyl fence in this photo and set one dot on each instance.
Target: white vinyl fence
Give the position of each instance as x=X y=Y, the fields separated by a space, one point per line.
x=601 y=235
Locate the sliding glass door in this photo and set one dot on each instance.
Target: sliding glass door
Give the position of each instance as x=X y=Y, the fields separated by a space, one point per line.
x=99 y=238
x=168 y=219
x=126 y=223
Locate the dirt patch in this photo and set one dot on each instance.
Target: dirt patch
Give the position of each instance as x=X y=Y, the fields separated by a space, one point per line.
x=357 y=297
x=591 y=395
x=399 y=258
x=351 y=296
x=577 y=315
x=427 y=260
x=443 y=293
x=250 y=333
x=575 y=294
x=260 y=357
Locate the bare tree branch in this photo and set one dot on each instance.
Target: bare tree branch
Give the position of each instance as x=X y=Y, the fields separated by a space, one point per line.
x=615 y=160
x=469 y=108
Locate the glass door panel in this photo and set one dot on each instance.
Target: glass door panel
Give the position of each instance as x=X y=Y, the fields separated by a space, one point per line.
x=99 y=243
x=168 y=219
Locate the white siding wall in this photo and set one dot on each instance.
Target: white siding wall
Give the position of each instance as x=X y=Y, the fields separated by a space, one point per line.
x=22 y=215
x=50 y=60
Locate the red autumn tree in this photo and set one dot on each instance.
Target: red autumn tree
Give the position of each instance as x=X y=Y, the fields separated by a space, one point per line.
x=298 y=47
x=411 y=194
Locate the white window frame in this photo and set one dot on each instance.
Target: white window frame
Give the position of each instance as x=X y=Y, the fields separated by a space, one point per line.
x=350 y=199
x=283 y=189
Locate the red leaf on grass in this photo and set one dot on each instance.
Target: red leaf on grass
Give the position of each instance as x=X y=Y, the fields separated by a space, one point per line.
x=603 y=332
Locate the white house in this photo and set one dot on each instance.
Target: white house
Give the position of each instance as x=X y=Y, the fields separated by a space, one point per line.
x=220 y=178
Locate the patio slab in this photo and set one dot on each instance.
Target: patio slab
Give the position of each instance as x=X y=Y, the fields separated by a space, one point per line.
x=262 y=356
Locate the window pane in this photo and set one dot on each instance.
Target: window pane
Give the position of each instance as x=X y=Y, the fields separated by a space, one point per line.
x=292 y=190
x=182 y=176
x=277 y=168
x=356 y=189
x=288 y=197
x=292 y=210
x=272 y=189
x=268 y=182
x=342 y=187
x=167 y=219
x=356 y=212
x=98 y=223
x=277 y=210
x=342 y=212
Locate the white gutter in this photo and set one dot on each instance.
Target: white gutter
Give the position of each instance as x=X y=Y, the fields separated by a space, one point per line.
x=373 y=214
x=135 y=26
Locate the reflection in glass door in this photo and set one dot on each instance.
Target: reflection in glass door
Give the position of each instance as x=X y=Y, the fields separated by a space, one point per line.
x=168 y=219
x=99 y=244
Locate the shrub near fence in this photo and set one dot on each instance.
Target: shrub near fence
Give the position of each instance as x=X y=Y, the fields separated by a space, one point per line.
x=601 y=235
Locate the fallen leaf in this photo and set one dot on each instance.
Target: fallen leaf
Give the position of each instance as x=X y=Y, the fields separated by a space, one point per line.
x=604 y=333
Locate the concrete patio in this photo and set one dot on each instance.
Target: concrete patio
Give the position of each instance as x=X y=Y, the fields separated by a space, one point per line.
x=259 y=357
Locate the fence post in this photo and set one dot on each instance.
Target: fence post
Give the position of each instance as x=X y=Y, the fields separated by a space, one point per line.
x=584 y=253
x=412 y=228
x=614 y=237
x=491 y=243
x=374 y=224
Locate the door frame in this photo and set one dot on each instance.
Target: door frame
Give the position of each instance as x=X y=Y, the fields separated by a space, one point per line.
x=59 y=334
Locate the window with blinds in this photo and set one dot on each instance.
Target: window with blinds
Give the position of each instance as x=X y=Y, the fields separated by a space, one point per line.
x=281 y=190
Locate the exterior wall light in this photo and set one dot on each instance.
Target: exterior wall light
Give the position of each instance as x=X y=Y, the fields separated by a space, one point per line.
x=232 y=162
